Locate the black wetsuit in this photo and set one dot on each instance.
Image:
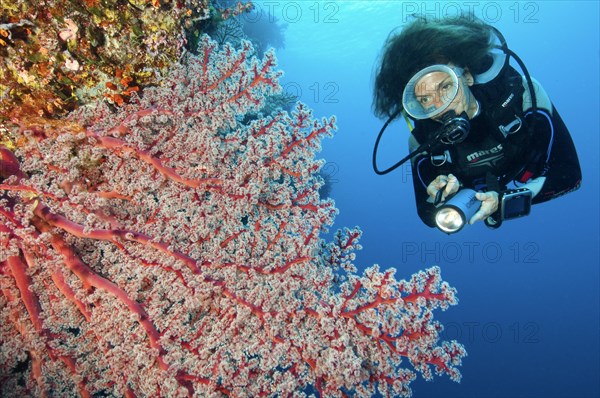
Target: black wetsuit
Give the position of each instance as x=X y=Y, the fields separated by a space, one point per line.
x=487 y=160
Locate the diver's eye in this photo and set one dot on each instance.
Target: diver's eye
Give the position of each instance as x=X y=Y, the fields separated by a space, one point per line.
x=446 y=91
x=424 y=100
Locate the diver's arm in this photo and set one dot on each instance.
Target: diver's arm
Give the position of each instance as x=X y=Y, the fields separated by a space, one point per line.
x=557 y=170
x=427 y=181
x=421 y=178
x=561 y=172
x=422 y=175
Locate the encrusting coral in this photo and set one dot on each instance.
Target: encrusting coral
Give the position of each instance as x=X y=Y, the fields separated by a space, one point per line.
x=58 y=54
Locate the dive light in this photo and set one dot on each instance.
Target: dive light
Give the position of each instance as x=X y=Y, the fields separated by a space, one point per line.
x=453 y=214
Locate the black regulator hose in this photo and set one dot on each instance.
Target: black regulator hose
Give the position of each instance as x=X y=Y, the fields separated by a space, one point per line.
x=394 y=167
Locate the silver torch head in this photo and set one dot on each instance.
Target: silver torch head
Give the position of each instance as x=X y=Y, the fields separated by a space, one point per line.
x=452 y=216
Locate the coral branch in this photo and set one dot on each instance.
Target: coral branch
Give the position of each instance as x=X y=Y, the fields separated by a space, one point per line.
x=23 y=282
x=91 y=278
x=80 y=231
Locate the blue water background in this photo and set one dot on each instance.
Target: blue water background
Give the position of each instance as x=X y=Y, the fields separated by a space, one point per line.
x=529 y=292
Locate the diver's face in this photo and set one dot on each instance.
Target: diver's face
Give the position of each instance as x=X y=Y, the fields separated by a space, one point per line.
x=437 y=89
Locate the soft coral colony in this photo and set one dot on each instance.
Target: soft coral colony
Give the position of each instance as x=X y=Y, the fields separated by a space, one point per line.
x=171 y=247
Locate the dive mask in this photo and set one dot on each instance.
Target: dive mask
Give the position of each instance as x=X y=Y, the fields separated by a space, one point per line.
x=431 y=90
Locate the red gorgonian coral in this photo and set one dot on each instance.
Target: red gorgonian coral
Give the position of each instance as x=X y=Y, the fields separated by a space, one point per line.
x=173 y=249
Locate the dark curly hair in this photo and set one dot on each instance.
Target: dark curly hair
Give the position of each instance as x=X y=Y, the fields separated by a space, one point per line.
x=465 y=41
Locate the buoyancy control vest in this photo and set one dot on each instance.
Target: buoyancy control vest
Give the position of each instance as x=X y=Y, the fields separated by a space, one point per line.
x=499 y=139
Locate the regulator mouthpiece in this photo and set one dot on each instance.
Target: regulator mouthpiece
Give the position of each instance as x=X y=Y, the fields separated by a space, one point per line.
x=455 y=128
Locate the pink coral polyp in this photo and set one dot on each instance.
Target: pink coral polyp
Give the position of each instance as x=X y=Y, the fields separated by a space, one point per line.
x=173 y=249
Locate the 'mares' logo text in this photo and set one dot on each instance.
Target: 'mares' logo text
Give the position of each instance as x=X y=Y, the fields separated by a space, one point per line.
x=475 y=156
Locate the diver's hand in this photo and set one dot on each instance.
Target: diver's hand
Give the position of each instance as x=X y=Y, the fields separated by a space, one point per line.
x=449 y=183
x=489 y=205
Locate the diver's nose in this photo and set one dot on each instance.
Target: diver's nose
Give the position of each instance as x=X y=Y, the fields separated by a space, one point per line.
x=437 y=101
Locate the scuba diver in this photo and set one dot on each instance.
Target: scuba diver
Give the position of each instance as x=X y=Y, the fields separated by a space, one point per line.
x=486 y=142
